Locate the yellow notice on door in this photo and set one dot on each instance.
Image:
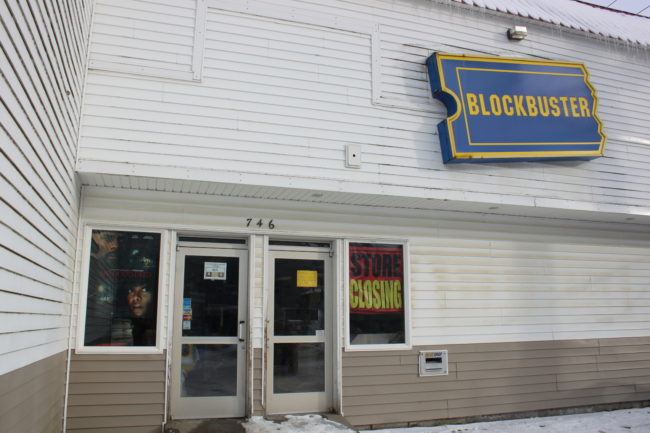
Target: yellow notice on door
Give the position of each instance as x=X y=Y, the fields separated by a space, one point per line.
x=307 y=279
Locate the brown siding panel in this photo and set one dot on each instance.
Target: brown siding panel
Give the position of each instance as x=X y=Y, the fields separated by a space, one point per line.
x=383 y=388
x=116 y=393
x=37 y=388
x=257 y=382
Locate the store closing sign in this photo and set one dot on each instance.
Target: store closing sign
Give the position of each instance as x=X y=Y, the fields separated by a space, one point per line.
x=502 y=109
x=376 y=279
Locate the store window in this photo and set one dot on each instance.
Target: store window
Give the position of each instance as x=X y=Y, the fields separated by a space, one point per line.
x=122 y=291
x=378 y=299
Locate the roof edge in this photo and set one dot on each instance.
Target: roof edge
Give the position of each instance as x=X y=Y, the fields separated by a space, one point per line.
x=574 y=15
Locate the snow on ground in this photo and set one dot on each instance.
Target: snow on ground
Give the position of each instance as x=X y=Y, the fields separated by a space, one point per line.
x=295 y=424
x=619 y=421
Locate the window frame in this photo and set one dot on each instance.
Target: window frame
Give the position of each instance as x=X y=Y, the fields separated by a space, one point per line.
x=80 y=346
x=407 y=345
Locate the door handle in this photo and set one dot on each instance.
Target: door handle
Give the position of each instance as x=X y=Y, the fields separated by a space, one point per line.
x=240 y=330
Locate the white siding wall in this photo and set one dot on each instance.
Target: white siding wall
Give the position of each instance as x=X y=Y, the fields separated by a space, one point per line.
x=139 y=37
x=485 y=280
x=287 y=84
x=497 y=286
x=257 y=292
x=44 y=47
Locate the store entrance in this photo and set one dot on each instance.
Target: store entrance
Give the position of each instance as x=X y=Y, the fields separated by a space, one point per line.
x=299 y=357
x=209 y=348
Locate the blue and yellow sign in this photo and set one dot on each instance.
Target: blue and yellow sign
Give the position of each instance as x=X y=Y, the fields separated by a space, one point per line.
x=503 y=109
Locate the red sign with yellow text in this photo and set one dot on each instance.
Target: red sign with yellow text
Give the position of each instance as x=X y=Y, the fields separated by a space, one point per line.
x=376 y=279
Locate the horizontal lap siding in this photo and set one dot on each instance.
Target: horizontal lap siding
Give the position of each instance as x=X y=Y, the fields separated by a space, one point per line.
x=258 y=408
x=281 y=99
x=116 y=393
x=477 y=287
x=498 y=378
x=44 y=47
x=258 y=85
x=31 y=397
x=41 y=90
x=471 y=281
x=483 y=286
x=621 y=93
x=140 y=37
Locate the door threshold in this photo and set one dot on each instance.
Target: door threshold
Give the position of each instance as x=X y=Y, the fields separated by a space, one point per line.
x=216 y=425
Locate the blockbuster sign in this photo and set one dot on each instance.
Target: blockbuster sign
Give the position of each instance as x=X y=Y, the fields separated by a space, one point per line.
x=505 y=109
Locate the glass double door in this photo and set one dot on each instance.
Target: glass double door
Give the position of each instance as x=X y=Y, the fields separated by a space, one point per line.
x=209 y=346
x=298 y=340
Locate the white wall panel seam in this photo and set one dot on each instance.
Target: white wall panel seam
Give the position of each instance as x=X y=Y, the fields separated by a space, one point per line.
x=199 y=39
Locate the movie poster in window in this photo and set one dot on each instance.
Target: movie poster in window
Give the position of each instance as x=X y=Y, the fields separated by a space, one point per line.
x=376 y=294
x=121 y=303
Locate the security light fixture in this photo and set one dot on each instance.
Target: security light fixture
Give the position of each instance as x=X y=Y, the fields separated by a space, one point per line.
x=517 y=33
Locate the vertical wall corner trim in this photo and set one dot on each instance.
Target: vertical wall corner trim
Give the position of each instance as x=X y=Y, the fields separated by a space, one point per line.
x=199 y=39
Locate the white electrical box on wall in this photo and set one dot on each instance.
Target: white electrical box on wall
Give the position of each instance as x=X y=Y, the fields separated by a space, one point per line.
x=353 y=156
x=433 y=363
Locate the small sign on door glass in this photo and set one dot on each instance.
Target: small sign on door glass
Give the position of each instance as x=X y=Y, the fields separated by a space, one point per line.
x=307 y=279
x=214 y=271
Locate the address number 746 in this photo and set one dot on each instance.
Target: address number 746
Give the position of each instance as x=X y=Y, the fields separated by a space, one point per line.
x=260 y=223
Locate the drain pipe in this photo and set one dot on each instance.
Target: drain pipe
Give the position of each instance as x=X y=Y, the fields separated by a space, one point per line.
x=170 y=277
x=74 y=294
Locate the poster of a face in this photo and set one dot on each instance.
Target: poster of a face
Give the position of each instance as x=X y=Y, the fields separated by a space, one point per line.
x=121 y=303
x=376 y=293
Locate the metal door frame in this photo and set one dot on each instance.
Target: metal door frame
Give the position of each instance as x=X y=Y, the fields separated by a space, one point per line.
x=209 y=407
x=301 y=402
